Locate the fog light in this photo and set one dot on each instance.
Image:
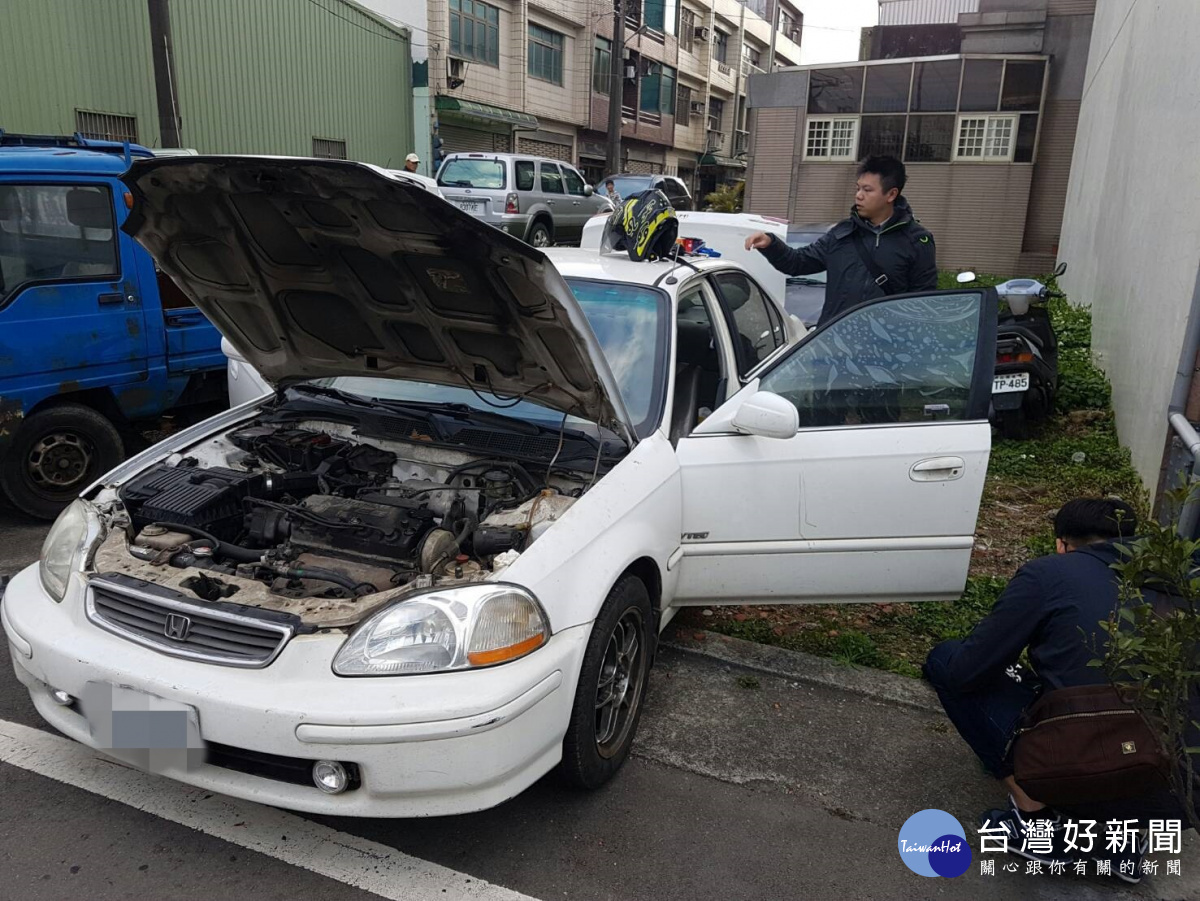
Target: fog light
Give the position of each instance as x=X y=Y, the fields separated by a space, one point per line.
x=330 y=777
x=61 y=697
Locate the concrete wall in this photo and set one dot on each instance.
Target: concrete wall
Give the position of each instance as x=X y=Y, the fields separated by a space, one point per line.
x=1129 y=235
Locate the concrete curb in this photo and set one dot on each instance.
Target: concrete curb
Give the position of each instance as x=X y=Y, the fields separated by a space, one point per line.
x=887 y=687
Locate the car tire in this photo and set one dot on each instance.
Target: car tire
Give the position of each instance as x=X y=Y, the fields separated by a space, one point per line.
x=539 y=235
x=56 y=453
x=616 y=670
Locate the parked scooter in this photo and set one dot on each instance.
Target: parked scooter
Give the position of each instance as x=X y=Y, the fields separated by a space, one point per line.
x=1026 y=378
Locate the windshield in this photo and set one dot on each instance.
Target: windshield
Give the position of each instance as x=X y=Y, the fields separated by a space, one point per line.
x=467 y=173
x=629 y=321
x=803 y=239
x=626 y=186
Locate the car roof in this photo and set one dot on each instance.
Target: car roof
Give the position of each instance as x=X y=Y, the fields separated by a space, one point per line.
x=811 y=228
x=61 y=159
x=576 y=262
x=478 y=155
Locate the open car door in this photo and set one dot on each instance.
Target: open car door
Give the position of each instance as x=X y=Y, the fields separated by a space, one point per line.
x=852 y=467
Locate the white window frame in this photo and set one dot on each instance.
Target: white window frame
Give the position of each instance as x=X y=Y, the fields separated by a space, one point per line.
x=828 y=155
x=987 y=150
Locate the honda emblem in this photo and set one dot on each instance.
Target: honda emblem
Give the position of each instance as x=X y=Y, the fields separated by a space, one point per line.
x=178 y=626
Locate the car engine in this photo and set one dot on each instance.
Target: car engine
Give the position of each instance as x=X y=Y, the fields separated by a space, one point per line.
x=315 y=515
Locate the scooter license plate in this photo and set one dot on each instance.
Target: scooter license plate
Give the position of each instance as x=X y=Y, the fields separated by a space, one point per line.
x=1005 y=384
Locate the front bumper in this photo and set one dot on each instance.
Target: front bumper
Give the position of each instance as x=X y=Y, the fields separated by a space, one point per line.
x=424 y=745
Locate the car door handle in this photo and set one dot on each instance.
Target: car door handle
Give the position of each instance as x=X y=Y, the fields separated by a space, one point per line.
x=937 y=469
x=110 y=298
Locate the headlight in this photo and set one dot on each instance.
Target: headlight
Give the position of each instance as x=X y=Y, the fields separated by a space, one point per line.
x=456 y=629
x=68 y=546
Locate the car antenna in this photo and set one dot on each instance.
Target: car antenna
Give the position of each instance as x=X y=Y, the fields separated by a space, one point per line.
x=669 y=278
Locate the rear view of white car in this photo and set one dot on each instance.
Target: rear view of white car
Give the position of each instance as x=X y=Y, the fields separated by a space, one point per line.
x=434 y=562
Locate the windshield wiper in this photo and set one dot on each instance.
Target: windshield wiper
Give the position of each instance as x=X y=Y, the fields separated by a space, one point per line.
x=333 y=393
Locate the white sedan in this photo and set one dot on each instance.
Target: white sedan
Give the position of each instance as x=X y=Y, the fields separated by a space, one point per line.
x=434 y=564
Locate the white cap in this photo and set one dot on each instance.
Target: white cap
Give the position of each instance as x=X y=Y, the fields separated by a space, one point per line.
x=412 y=158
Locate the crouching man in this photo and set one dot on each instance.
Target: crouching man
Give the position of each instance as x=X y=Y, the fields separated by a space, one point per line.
x=1052 y=608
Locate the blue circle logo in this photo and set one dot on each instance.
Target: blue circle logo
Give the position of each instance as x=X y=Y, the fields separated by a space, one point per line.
x=933 y=843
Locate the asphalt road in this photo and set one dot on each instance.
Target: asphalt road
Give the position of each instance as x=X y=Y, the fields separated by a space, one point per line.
x=744 y=785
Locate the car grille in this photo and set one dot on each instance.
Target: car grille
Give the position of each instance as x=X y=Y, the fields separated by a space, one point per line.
x=182 y=629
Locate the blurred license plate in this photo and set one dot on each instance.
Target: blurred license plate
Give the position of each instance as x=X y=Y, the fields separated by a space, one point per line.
x=1003 y=384
x=142 y=729
x=469 y=206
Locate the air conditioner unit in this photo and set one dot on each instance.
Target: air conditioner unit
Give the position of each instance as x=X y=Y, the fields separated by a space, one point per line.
x=703 y=32
x=631 y=73
x=697 y=106
x=456 y=67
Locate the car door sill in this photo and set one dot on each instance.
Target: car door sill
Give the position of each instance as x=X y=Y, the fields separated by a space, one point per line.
x=827 y=546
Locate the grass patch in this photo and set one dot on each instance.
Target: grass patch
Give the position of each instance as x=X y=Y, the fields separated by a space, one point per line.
x=1074 y=454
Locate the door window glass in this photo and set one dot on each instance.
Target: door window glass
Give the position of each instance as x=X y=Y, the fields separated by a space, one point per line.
x=906 y=360
x=524 y=175
x=755 y=334
x=573 y=180
x=51 y=232
x=552 y=182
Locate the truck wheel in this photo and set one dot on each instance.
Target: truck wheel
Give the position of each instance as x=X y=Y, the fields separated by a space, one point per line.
x=612 y=685
x=539 y=235
x=56 y=453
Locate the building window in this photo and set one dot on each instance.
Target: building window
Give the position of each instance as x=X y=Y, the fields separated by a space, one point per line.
x=601 y=65
x=658 y=90
x=835 y=90
x=475 y=31
x=790 y=23
x=1023 y=85
x=935 y=86
x=660 y=15
x=831 y=138
x=930 y=139
x=881 y=136
x=887 y=89
x=751 y=55
x=683 y=106
x=985 y=138
x=1026 y=139
x=687 y=29
x=545 y=54
x=106 y=126
x=716 y=113
x=981 y=85
x=329 y=149
x=720 y=46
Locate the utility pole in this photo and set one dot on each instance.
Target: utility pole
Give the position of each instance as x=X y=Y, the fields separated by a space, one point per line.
x=163 y=57
x=616 y=89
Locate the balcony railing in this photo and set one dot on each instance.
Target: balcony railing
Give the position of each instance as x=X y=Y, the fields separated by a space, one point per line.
x=748 y=68
x=724 y=69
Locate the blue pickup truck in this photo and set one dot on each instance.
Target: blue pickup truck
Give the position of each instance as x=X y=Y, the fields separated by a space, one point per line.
x=92 y=336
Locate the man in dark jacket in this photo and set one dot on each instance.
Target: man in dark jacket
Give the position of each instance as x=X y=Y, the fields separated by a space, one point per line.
x=1053 y=608
x=881 y=229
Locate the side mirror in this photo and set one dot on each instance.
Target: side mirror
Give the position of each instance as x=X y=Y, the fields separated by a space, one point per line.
x=588 y=190
x=1060 y=268
x=964 y=278
x=89 y=208
x=767 y=415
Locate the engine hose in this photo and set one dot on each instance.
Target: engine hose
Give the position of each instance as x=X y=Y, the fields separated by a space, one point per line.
x=326 y=575
x=513 y=467
x=233 y=551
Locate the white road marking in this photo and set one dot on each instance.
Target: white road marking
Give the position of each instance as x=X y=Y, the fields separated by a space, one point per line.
x=349 y=859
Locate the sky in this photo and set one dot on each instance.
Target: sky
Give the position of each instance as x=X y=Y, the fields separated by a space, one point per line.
x=832 y=29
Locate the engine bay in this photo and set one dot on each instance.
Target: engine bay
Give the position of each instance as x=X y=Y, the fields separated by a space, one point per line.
x=311 y=512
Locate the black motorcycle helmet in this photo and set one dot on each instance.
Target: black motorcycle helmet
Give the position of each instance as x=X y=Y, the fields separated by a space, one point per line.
x=644 y=226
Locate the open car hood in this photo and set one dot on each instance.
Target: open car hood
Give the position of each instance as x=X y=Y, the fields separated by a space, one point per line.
x=319 y=268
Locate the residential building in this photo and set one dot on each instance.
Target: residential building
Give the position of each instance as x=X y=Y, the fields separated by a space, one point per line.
x=1129 y=235
x=301 y=77
x=986 y=131
x=533 y=76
